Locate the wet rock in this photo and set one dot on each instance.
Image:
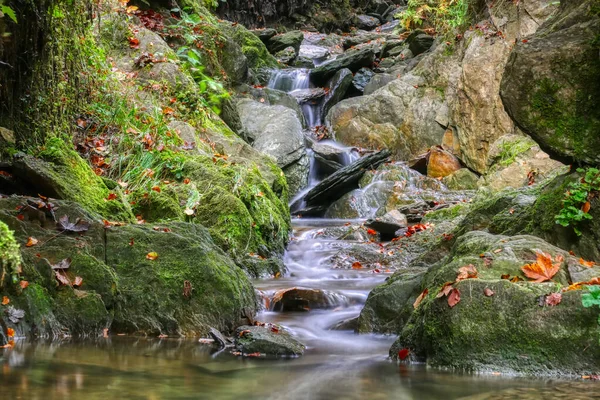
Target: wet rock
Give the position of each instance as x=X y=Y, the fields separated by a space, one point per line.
x=390 y=45
x=337 y=87
x=308 y=95
x=343 y=180
x=353 y=60
x=378 y=81
x=303 y=299
x=361 y=79
x=389 y=224
x=419 y=42
x=221 y=341
x=290 y=39
x=390 y=27
x=303 y=62
x=366 y=22
x=546 y=76
x=350 y=324
x=268 y=340
x=313 y=52
x=266 y=96
x=441 y=163
x=286 y=56
x=329 y=158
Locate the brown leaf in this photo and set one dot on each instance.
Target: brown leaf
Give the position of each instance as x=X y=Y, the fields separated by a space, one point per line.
x=586 y=207
x=78 y=281
x=553 y=299
x=445 y=290
x=152 y=256
x=579 y=285
x=357 y=265
x=453 y=297
x=420 y=298
x=505 y=276
x=585 y=263
x=5 y=300
x=23 y=284
x=467 y=272
x=488 y=292
x=541 y=270
x=62 y=278
x=31 y=241
x=78 y=226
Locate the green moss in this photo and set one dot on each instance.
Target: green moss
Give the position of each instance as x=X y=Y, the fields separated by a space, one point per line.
x=253 y=48
x=10 y=258
x=510 y=150
x=447 y=214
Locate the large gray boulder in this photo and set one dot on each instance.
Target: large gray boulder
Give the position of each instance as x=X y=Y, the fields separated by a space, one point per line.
x=267 y=340
x=290 y=39
x=353 y=60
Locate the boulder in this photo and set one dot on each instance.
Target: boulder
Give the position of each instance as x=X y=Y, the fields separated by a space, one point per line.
x=264 y=34
x=366 y=22
x=337 y=87
x=312 y=52
x=378 y=81
x=312 y=95
x=390 y=45
x=463 y=179
x=264 y=95
x=419 y=42
x=547 y=78
x=441 y=163
x=352 y=59
x=267 y=340
x=303 y=299
x=329 y=157
x=289 y=39
x=388 y=225
x=286 y=56
x=361 y=79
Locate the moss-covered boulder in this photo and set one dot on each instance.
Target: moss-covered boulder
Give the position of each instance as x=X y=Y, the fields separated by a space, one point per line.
x=550 y=86
x=189 y=286
x=510 y=329
x=267 y=340
x=10 y=258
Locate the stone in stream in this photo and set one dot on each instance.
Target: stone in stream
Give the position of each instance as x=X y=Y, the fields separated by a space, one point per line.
x=389 y=224
x=219 y=339
x=344 y=180
x=284 y=40
x=337 y=87
x=304 y=299
x=328 y=158
x=286 y=56
x=366 y=22
x=268 y=340
x=352 y=59
x=308 y=95
x=361 y=79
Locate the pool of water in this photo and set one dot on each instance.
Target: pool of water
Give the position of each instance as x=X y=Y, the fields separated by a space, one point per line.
x=148 y=368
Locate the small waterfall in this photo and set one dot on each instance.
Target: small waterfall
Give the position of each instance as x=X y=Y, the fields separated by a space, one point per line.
x=288 y=80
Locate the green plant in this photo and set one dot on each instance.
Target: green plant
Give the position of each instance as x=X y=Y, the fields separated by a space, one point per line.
x=591 y=298
x=509 y=151
x=576 y=202
x=9 y=12
x=444 y=16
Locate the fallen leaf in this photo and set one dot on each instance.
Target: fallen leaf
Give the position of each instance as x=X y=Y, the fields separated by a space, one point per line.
x=357 y=265
x=586 y=207
x=78 y=226
x=516 y=279
x=445 y=290
x=505 y=276
x=10 y=332
x=453 y=297
x=156 y=189
x=78 y=281
x=152 y=255
x=111 y=196
x=62 y=278
x=62 y=264
x=488 y=292
x=5 y=300
x=186 y=181
x=403 y=354
x=553 y=299
x=541 y=270
x=466 y=272
x=580 y=285
x=31 y=241
x=162 y=336
x=131 y=241
x=420 y=298
x=585 y=263
x=23 y=284
x=371 y=232
x=20 y=217
x=497 y=251
x=105 y=332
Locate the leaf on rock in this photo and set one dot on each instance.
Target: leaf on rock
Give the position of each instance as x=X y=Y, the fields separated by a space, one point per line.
x=152 y=256
x=445 y=290
x=553 y=299
x=543 y=269
x=467 y=272
x=5 y=300
x=371 y=231
x=580 y=285
x=62 y=278
x=10 y=332
x=31 y=241
x=585 y=263
x=453 y=297
x=488 y=292
x=78 y=281
x=403 y=354
x=357 y=265
x=78 y=226
x=62 y=264
x=14 y=314
x=420 y=298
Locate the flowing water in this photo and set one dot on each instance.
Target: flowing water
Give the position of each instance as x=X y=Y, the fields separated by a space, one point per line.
x=338 y=364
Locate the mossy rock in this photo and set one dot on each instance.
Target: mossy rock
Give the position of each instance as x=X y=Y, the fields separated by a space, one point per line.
x=153 y=298
x=274 y=342
x=10 y=258
x=253 y=48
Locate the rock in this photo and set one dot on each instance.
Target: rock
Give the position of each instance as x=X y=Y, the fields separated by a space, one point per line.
x=290 y=39
x=353 y=60
x=221 y=341
x=390 y=45
x=548 y=75
x=271 y=341
x=268 y=96
x=329 y=157
x=463 y=179
x=7 y=137
x=387 y=225
x=419 y=42
x=517 y=161
x=234 y=62
x=264 y=34
x=350 y=324
x=342 y=181
x=337 y=87
x=366 y=22
x=362 y=78
x=303 y=299
x=390 y=27
x=303 y=62
x=312 y=52
x=378 y=81
x=312 y=95
x=286 y=56
x=441 y=163
x=276 y=130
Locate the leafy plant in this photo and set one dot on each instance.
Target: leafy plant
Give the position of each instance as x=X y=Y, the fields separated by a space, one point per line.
x=443 y=15
x=591 y=298
x=576 y=204
x=7 y=11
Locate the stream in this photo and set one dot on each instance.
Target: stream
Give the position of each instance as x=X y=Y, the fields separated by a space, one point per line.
x=338 y=364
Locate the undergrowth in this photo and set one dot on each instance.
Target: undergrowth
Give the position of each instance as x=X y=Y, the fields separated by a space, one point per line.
x=445 y=16
x=576 y=204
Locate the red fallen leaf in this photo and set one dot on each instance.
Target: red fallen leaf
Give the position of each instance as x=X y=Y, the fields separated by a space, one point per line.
x=168 y=111
x=445 y=290
x=357 y=265
x=23 y=284
x=186 y=181
x=10 y=332
x=5 y=300
x=420 y=298
x=403 y=354
x=20 y=217
x=134 y=43
x=453 y=297
x=31 y=241
x=571 y=252
x=274 y=329
x=152 y=256
x=78 y=281
x=505 y=276
x=254 y=355
x=553 y=299
x=131 y=242
x=111 y=196
x=156 y=189
x=466 y=272
x=488 y=292
x=525 y=40
x=585 y=263
x=543 y=269
x=371 y=231
x=586 y=207
x=4 y=173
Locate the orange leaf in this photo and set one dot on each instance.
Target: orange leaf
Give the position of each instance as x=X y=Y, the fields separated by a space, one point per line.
x=371 y=232
x=78 y=281
x=453 y=297
x=586 y=207
x=579 y=285
x=420 y=298
x=152 y=255
x=10 y=332
x=24 y=284
x=31 y=241
x=156 y=189
x=585 y=263
x=111 y=196
x=467 y=272
x=5 y=300
x=445 y=290
x=541 y=270
x=357 y=265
